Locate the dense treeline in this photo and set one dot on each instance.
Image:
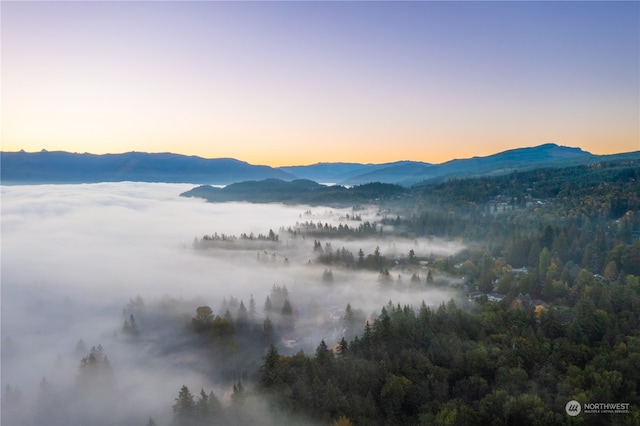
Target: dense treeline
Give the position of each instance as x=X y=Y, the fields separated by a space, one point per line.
x=215 y=240
x=555 y=255
x=299 y=191
x=492 y=364
x=562 y=246
x=513 y=362
x=586 y=215
x=565 y=252
x=613 y=180
x=318 y=229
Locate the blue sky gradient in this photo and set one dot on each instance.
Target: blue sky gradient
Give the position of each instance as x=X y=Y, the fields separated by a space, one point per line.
x=285 y=83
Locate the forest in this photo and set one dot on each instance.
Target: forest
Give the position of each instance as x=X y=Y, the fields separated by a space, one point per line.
x=542 y=308
x=563 y=252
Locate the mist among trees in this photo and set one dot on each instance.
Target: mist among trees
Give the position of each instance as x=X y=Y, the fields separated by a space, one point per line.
x=477 y=301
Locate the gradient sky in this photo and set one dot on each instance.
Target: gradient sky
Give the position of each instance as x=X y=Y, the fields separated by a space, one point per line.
x=284 y=83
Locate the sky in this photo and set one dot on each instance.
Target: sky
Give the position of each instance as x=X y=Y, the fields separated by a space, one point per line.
x=294 y=83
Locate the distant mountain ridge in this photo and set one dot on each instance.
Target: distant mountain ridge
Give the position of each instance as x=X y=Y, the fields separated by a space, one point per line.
x=546 y=155
x=342 y=173
x=63 y=167
x=408 y=173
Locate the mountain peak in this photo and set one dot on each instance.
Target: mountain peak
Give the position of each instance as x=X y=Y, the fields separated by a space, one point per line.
x=561 y=148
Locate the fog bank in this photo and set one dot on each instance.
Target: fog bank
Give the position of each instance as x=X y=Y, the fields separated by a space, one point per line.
x=74 y=255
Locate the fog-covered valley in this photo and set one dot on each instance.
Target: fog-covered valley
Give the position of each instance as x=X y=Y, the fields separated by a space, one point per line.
x=81 y=262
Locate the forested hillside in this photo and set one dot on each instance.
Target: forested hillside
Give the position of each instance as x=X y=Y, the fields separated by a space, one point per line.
x=550 y=313
x=299 y=191
x=541 y=307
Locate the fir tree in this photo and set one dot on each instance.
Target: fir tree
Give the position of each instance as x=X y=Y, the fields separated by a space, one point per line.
x=184 y=408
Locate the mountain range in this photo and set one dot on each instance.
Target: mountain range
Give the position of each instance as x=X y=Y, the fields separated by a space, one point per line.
x=64 y=167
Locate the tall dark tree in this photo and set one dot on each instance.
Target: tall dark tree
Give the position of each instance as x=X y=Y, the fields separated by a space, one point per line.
x=360 y=259
x=269 y=376
x=203 y=319
x=95 y=371
x=130 y=327
x=268 y=332
x=349 y=319
x=287 y=320
x=252 y=309
x=412 y=257
x=202 y=413
x=242 y=318
x=286 y=308
x=184 y=410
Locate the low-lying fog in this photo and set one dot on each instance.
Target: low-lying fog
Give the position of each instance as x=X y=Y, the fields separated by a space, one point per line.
x=73 y=256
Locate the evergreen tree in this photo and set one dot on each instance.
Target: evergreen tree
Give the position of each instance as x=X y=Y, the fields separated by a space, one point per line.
x=412 y=257
x=327 y=276
x=242 y=319
x=252 y=309
x=286 y=308
x=384 y=277
x=130 y=328
x=349 y=321
x=133 y=325
x=202 y=412
x=269 y=376
x=184 y=413
x=203 y=319
x=215 y=406
x=343 y=347
x=268 y=333
x=95 y=371
x=287 y=320
x=323 y=356
x=238 y=396
x=81 y=348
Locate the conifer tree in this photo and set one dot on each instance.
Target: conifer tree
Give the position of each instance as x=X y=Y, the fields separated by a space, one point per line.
x=184 y=408
x=242 y=318
x=252 y=309
x=202 y=408
x=269 y=374
x=268 y=334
